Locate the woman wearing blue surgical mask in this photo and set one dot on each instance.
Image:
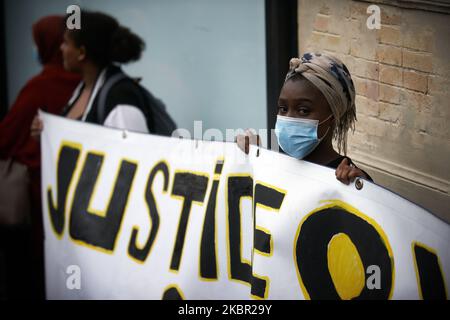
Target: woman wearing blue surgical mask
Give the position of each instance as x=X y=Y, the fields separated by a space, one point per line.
x=316 y=106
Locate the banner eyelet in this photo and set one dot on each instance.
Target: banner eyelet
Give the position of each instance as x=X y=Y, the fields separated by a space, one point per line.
x=359 y=183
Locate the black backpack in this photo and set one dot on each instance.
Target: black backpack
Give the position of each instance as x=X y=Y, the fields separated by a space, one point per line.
x=158 y=120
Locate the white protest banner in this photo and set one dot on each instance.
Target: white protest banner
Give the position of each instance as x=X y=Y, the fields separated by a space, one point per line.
x=134 y=216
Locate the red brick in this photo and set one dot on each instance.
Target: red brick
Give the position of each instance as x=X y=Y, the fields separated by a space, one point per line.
x=415 y=81
x=363 y=49
x=389 y=94
x=422 y=40
x=366 y=106
x=321 y=23
x=390 y=75
x=389 y=54
x=366 y=69
x=358 y=10
x=325 y=41
x=360 y=86
x=390 y=35
x=372 y=88
x=366 y=88
x=391 y=15
x=355 y=28
x=417 y=61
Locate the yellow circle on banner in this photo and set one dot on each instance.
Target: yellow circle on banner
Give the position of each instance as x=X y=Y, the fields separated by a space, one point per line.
x=345 y=266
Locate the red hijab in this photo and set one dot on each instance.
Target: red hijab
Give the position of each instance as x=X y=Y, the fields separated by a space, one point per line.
x=49 y=90
x=48 y=35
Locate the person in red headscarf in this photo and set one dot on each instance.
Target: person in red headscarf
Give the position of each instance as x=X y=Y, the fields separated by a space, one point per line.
x=49 y=90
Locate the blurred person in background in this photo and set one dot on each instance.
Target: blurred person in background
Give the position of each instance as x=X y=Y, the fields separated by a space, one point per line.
x=49 y=90
x=95 y=52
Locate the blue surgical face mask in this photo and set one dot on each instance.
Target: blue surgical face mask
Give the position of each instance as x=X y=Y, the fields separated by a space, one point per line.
x=298 y=137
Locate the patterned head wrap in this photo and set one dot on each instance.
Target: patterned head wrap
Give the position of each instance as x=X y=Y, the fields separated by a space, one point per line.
x=333 y=79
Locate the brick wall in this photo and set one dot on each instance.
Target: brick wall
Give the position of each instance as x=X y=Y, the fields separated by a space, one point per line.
x=402 y=75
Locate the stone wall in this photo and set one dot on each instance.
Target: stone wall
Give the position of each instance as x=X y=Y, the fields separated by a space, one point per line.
x=402 y=74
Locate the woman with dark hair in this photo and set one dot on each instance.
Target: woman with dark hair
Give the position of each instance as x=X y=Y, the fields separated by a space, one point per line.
x=315 y=106
x=95 y=52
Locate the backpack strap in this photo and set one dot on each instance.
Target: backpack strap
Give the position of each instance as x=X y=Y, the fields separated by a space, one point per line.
x=103 y=94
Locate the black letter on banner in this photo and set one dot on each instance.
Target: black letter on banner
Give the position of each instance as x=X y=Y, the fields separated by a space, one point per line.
x=172 y=293
x=208 y=261
x=133 y=250
x=67 y=162
x=312 y=246
x=190 y=187
x=272 y=199
x=88 y=227
x=431 y=281
x=238 y=187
